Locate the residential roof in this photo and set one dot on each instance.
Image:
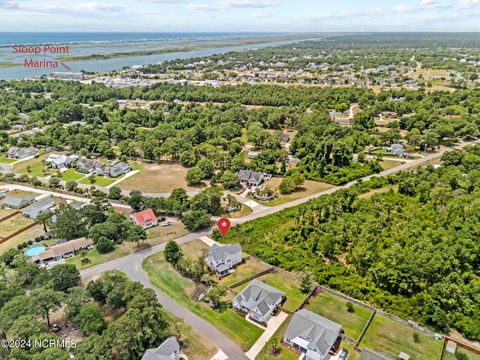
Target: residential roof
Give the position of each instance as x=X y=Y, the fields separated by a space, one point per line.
x=259 y=297
x=15 y=201
x=164 y=351
x=121 y=165
x=62 y=249
x=220 y=252
x=367 y=354
x=249 y=175
x=145 y=217
x=321 y=332
x=38 y=207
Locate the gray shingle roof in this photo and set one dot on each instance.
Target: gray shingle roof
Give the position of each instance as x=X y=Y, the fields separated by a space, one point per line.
x=320 y=332
x=16 y=202
x=38 y=207
x=259 y=297
x=221 y=252
x=164 y=351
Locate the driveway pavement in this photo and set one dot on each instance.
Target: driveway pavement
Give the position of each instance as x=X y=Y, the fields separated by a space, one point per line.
x=272 y=326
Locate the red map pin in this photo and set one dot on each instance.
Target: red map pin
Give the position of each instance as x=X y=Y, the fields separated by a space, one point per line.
x=223 y=225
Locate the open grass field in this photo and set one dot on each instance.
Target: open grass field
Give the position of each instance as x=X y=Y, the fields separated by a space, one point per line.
x=6 y=160
x=390 y=337
x=283 y=282
x=171 y=283
x=6 y=212
x=285 y=352
x=72 y=175
x=156 y=235
x=36 y=166
x=13 y=224
x=335 y=309
x=194 y=249
x=243 y=271
x=308 y=188
x=389 y=164
x=30 y=234
x=99 y=181
x=158 y=178
x=382 y=190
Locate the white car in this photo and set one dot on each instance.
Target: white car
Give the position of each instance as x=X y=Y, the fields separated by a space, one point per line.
x=165 y=223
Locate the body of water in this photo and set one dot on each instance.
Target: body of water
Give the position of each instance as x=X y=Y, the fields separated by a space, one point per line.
x=106 y=43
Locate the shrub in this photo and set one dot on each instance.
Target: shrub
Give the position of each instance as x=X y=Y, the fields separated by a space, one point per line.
x=104 y=245
x=350 y=308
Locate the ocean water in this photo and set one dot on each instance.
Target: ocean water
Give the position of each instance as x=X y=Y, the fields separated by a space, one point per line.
x=10 y=38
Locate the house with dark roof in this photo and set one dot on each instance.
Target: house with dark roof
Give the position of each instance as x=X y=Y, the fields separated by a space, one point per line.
x=39 y=207
x=119 y=168
x=312 y=334
x=168 y=350
x=222 y=259
x=88 y=166
x=259 y=300
x=251 y=178
x=367 y=354
x=17 y=202
x=145 y=219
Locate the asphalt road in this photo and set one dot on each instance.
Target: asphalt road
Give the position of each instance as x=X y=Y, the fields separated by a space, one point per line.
x=132 y=264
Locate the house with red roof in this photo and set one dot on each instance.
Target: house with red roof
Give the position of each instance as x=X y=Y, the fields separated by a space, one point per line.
x=146 y=218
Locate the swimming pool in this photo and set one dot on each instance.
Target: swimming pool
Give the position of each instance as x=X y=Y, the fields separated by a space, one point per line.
x=35 y=250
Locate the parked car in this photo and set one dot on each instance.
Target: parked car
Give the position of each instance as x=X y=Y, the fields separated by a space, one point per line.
x=343 y=354
x=56 y=328
x=161 y=219
x=165 y=223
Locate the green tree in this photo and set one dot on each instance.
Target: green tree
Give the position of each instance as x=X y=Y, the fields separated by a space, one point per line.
x=196 y=219
x=173 y=253
x=64 y=277
x=46 y=300
x=104 y=245
x=115 y=193
x=90 y=319
x=194 y=176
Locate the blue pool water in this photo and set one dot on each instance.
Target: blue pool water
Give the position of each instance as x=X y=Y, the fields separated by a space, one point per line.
x=35 y=250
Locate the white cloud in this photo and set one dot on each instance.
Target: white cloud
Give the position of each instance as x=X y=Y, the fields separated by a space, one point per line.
x=263 y=13
x=468 y=4
x=222 y=5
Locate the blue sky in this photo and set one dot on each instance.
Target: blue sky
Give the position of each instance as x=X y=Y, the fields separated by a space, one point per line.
x=239 y=15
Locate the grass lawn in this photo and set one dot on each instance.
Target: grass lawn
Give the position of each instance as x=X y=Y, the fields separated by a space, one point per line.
x=471 y=355
x=288 y=284
x=155 y=236
x=335 y=309
x=308 y=188
x=99 y=181
x=71 y=175
x=37 y=167
x=158 y=178
x=246 y=210
x=194 y=249
x=13 y=224
x=96 y=258
x=30 y=234
x=195 y=345
x=171 y=283
x=389 y=164
x=5 y=212
x=390 y=337
x=6 y=160
x=382 y=190
x=243 y=271
x=285 y=353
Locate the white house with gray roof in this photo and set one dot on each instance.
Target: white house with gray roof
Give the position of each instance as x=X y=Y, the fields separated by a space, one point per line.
x=259 y=300
x=168 y=350
x=58 y=161
x=312 y=334
x=222 y=259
